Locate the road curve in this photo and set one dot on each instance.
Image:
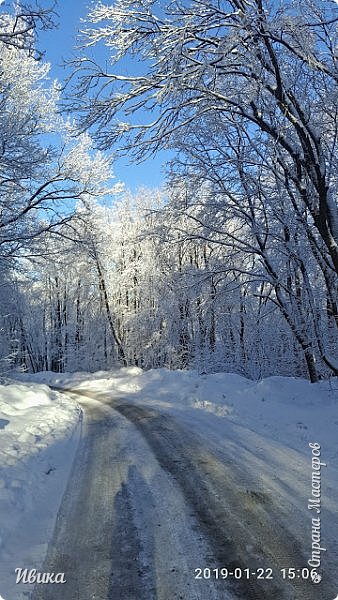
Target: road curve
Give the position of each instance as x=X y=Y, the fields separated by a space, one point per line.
x=148 y=502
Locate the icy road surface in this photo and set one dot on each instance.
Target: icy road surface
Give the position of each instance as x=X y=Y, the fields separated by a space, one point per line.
x=152 y=498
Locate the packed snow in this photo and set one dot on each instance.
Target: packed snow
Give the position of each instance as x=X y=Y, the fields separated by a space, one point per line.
x=270 y=420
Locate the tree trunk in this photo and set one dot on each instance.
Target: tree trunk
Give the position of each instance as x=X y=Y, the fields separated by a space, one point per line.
x=102 y=284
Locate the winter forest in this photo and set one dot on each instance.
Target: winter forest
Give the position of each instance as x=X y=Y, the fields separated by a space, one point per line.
x=232 y=264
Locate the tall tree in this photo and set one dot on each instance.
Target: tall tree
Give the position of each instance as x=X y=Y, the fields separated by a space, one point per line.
x=272 y=66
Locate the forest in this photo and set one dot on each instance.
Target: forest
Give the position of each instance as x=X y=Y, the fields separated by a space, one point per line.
x=232 y=264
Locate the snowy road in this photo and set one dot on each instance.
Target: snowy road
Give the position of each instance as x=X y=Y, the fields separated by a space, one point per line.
x=150 y=500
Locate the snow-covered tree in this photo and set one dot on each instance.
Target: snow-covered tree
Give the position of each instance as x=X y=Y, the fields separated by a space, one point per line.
x=235 y=267
x=45 y=172
x=20 y=29
x=270 y=67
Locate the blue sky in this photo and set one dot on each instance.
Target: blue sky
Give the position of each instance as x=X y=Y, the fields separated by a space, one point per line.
x=58 y=44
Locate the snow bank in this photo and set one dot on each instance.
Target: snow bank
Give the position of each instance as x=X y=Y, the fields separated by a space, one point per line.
x=39 y=431
x=286 y=409
x=289 y=410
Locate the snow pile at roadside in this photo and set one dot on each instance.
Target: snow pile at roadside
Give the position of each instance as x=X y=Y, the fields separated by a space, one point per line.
x=290 y=410
x=119 y=381
x=39 y=432
x=286 y=409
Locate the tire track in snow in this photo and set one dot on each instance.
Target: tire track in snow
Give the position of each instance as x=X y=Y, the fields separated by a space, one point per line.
x=90 y=522
x=241 y=524
x=118 y=552
x=123 y=531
